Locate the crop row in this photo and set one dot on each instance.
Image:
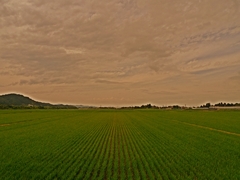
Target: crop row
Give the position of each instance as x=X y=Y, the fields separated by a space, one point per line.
x=114 y=145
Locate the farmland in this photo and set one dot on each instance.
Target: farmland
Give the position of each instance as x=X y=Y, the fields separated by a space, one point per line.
x=119 y=144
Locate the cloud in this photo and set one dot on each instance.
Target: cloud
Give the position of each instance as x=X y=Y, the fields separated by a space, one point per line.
x=107 y=81
x=73 y=51
x=95 y=46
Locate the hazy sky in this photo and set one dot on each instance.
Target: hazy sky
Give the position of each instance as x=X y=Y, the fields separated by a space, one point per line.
x=121 y=52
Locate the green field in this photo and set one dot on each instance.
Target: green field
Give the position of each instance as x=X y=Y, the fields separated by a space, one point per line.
x=119 y=144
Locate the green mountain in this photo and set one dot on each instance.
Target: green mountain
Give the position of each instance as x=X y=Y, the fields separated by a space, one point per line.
x=18 y=100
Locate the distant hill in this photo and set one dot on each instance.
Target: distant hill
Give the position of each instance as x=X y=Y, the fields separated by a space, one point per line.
x=85 y=106
x=20 y=100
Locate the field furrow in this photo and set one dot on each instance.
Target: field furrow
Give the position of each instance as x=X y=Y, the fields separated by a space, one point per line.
x=119 y=144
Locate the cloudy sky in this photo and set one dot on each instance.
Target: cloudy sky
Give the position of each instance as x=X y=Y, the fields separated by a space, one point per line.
x=121 y=52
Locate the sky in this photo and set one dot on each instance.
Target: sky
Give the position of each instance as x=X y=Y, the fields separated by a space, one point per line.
x=121 y=52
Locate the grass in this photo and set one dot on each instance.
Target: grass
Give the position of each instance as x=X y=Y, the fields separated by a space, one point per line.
x=119 y=144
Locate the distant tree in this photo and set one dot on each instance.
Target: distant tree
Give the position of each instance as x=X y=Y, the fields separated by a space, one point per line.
x=149 y=106
x=176 y=107
x=208 y=105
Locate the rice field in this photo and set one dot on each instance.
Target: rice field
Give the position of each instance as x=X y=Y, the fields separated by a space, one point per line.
x=119 y=144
